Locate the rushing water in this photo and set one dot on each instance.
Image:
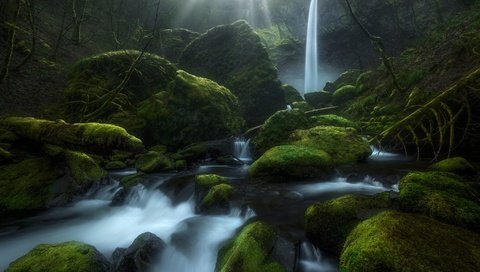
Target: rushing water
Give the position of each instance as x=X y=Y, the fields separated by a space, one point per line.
x=311 y=55
x=241 y=149
x=312 y=260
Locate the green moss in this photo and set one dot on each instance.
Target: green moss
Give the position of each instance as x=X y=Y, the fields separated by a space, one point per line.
x=94 y=137
x=318 y=99
x=83 y=168
x=393 y=241
x=153 y=162
x=291 y=161
x=69 y=256
x=192 y=153
x=210 y=180
x=132 y=180
x=348 y=77
x=27 y=185
x=159 y=148
x=344 y=145
x=302 y=105
x=113 y=165
x=344 y=94
x=442 y=196
x=332 y=120
x=217 y=195
x=328 y=224
x=278 y=127
x=250 y=251
x=291 y=94
x=456 y=165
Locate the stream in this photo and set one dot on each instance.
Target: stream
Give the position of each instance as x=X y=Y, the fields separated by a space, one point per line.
x=193 y=240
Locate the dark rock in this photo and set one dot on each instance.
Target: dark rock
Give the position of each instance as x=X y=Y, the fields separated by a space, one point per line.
x=140 y=255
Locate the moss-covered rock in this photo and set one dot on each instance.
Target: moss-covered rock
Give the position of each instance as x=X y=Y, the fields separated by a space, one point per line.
x=292 y=161
x=194 y=109
x=328 y=224
x=210 y=180
x=234 y=56
x=348 y=77
x=393 y=241
x=302 y=105
x=86 y=137
x=344 y=94
x=83 y=168
x=291 y=94
x=250 y=251
x=132 y=180
x=115 y=165
x=69 y=256
x=278 y=127
x=192 y=153
x=174 y=41
x=217 y=199
x=318 y=99
x=344 y=145
x=441 y=195
x=153 y=162
x=457 y=165
x=332 y=120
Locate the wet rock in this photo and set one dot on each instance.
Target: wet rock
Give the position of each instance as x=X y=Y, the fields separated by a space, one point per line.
x=140 y=255
x=153 y=162
x=457 y=165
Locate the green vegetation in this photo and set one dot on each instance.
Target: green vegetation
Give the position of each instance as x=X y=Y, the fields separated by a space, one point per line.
x=457 y=165
x=210 y=180
x=83 y=168
x=344 y=94
x=218 y=195
x=332 y=120
x=393 y=241
x=250 y=251
x=292 y=161
x=68 y=256
x=154 y=162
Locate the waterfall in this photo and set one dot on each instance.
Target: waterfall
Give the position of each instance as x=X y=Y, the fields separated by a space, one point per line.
x=311 y=55
x=311 y=260
x=241 y=149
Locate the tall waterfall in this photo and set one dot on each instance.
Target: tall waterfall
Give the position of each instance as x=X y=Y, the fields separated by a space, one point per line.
x=311 y=56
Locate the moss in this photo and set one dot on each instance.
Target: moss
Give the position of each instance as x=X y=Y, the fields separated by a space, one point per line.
x=159 y=148
x=318 y=99
x=174 y=41
x=119 y=155
x=181 y=165
x=132 y=180
x=69 y=256
x=194 y=109
x=344 y=145
x=344 y=94
x=456 y=165
x=291 y=94
x=192 y=153
x=218 y=195
x=332 y=120
x=113 y=165
x=393 y=241
x=234 y=56
x=210 y=180
x=83 y=168
x=292 y=161
x=328 y=224
x=153 y=162
x=27 y=185
x=348 y=77
x=250 y=251
x=278 y=127
x=442 y=196
x=302 y=105
x=94 y=137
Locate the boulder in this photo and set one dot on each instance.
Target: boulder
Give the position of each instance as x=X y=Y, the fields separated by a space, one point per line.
x=344 y=94
x=174 y=41
x=291 y=94
x=394 y=241
x=153 y=162
x=68 y=256
x=234 y=56
x=140 y=255
x=457 y=165
x=217 y=199
x=318 y=99
x=332 y=120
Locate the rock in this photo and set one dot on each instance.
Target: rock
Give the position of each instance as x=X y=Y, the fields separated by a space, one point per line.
x=69 y=256
x=344 y=94
x=441 y=195
x=349 y=77
x=217 y=199
x=115 y=165
x=332 y=120
x=153 y=162
x=457 y=165
x=291 y=94
x=210 y=180
x=292 y=161
x=119 y=197
x=83 y=168
x=253 y=249
x=302 y=105
x=174 y=41
x=193 y=109
x=393 y=241
x=181 y=165
x=344 y=145
x=132 y=180
x=141 y=254
x=328 y=224
x=192 y=153
x=159 y=148
x=85 y=137
x=318 y=99
x=278 y=128
x=234 y=56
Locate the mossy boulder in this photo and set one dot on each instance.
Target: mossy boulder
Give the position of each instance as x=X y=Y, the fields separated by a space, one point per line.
x=343 y=144
x=194 y=109
x=132 y=180
x=174 y=41
x=393 y=241
x=115 y=165
x=318 y=99
x=251 y=250
x=83 y=168
x=278 y=127
x=291 y=94
x=344 y=94
x=192 y=153
x=332 y=120
x=210 y=180
x=85 y=137
x=153 y=162
x=441 y=195
x=99 y=74
x=69 y=256
x=234 y=56
x=349 y=77
x=217 y=199
x=457 y=165
x=328 y=224
x=292 y=161
x=302 y=105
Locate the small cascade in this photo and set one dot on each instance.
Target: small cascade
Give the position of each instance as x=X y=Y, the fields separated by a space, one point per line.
x=381 y=155
x=241 y=149
x=311 y=55
x=311 y=260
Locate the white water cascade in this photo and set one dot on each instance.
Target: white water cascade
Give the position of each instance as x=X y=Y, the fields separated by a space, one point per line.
x=311 y=55
x=311 y=260
x=241 y=149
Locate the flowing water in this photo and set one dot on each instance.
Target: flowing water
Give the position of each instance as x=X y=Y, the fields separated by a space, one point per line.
x=311 y=55
x=241 y=149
